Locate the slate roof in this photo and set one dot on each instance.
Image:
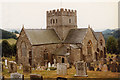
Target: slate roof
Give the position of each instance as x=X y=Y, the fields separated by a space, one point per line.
x=42 y=36
x=76 y=35
x=97 y=34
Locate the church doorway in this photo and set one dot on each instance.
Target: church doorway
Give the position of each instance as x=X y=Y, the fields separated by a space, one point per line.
x=30 y=58
x=63 y=61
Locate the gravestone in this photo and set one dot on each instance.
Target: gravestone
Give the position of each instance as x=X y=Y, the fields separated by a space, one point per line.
x=81 y=69
x=6 y=62
x=1 y=67
x=100 y=66
x=55 y=63
x=36 y=77
x=12 y=67
x=118 y=68
x=49 y=65
x=61 y=69
x=17 y=76
x=2 y=77
x=104 y=68
x=20 y=67
x=26 y=68
x=113 y=67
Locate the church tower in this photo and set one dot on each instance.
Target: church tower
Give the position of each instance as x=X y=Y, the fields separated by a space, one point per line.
x=61 y=21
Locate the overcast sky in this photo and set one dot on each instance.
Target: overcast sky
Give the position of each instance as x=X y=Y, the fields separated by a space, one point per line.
x=99 y=14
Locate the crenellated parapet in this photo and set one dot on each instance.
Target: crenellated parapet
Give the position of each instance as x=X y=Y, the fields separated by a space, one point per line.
x=64 y=12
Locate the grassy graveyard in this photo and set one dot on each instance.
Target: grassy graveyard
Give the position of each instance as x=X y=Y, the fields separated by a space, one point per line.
x=53 y=73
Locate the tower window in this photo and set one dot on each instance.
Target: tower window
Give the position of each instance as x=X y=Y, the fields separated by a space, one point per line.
x=53 y=21
x=69 y=20
x=101 y=42
x=56 y=20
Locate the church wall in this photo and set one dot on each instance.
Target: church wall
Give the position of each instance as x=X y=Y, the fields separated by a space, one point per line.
x=39 y=51
x=21 y=58
x=91 y=37
x=101 y=47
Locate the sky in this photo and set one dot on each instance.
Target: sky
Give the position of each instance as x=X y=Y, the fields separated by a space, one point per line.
x=99 y=14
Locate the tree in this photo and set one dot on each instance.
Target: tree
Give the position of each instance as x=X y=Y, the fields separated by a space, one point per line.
x=111 y=45
x=118 y=45
x=6 y=49
x=14 y=49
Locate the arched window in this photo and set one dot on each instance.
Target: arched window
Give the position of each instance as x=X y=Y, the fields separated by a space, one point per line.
x=101 y=54
x=23 y=49
x=89 y=47
x=45 y=55
x=51 y=21
x=96 y=56
x=101 y=42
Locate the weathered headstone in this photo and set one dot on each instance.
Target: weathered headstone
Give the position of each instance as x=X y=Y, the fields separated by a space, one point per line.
x=113 y=67
x=100 y=66
x=1 y=77
x=104 y=68
x=17 y=76
x=49 y=65
x=81 y=69
x=61 y=69
x=20 y=67
x=118 y=68
x=1 y=67
x=55 y=63
x=26 y=68
x=12 y=67
x=6 y=62
x=36 y=77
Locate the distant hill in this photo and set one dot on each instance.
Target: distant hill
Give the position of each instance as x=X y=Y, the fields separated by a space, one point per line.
x=109 y=32
x=11 y=40
x=7 y=34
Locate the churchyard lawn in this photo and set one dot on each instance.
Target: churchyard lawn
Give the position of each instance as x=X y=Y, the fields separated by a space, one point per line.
x=71 y=72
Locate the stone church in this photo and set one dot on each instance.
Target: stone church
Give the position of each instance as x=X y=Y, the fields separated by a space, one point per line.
x=62 y=41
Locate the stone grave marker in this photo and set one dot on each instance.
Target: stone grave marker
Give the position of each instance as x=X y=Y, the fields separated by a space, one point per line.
x=61 y=69
x=104 y=68
x=26 y=68
x=2 y=77
x=55 y=63
x=20 y=67
x=17 y=76
x=6 y=62
x=118 y=67
x=12 y=67
x=81 y=69
x=49 y=65
x=36 y=77
x=113 y=67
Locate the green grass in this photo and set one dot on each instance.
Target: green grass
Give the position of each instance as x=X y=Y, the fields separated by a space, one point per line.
x=11 y=40
x=53 y=73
